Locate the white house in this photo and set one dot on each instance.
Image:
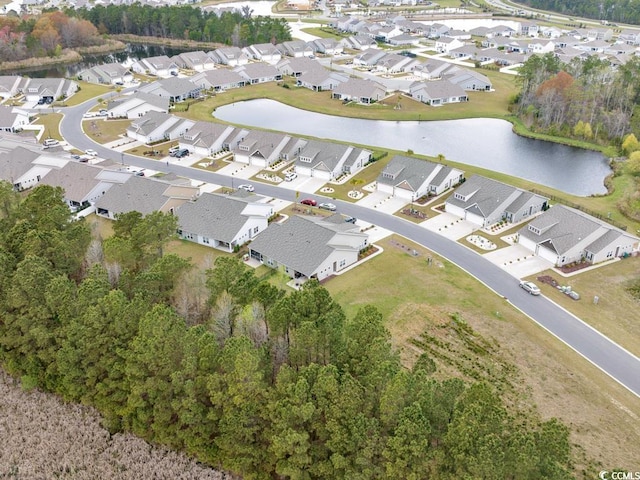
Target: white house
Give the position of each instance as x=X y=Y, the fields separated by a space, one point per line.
x=206 y=138
x=218 y=80
x=484 y=201
x=48 y=89
x=136 y=106
x=9 y=86
x=258 y=72
x=437 y=92
x=564 y=235
x=224 y=222
x=158 y=126
x=263 y=149
x=264 y=52
x=12 y=119
x=197 y=61
x=328 y=161
x=308 y=247
x=160 y=66
x=106 y=74
x=446 y=44
x=231 y=56
x=175 y=89
x=412 y=178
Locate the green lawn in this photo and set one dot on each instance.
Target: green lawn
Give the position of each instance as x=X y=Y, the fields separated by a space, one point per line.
x=105 y=131
x=51 y=122
x=87 y=91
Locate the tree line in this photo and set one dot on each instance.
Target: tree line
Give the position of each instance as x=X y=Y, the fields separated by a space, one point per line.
x=238 y=28
x=585 y=99
x=234 y=371
x=45 y=35
x=623 y=11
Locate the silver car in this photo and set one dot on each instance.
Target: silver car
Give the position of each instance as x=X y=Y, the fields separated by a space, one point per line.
x=530 y=287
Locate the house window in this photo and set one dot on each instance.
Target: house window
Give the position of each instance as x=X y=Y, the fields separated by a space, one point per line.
x=459 y=196
x=305 y=159
x=205 y=240
x=255 y=230
x=244 y=148
x=343 y=263
x=534 y=229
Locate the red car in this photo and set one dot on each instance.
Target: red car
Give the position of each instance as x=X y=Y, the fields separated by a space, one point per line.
x=309 y=201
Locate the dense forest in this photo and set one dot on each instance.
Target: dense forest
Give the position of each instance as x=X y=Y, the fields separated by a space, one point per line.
x=585 y=99
x=623 y=11
x=185 y=22
x=233 y=370
x=44 y=35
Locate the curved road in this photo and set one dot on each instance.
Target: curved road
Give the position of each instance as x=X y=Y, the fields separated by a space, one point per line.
x=609 y=357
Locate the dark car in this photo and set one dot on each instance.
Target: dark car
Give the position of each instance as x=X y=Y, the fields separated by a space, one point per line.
x=309 y=201
x=350 y=219
x=183 y=152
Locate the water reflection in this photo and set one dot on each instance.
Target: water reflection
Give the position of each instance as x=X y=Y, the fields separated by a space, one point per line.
x=483 y=142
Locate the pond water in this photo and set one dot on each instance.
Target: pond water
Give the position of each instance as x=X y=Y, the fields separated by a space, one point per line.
x=483 y=142
x=132 y=53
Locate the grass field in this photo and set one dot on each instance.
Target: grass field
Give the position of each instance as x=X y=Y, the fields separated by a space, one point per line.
x=420 y=301
x=105 y=131
x=51 y=122
x=87 y=91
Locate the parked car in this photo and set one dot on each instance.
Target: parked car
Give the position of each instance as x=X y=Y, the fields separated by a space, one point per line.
x=530 y=287
x=91 y=152
x=173 y=150
x=183 y=152
x=328 y=206
x=51 y=142
x=309 y=201
x=289 y=176
x=350 y=219
x=247 y=187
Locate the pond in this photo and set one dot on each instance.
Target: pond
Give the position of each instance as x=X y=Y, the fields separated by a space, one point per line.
x=482 y=142
x=132 y=53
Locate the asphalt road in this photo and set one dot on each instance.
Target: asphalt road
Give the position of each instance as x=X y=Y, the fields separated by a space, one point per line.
x=609 y=357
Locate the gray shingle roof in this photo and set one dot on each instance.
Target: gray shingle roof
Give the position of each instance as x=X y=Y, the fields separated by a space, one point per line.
x=301 y=243
x=322 y=153
x=77 y=180
x=361 y=88
x=407 y=169
x=16 y=163
x=136 y=194
x=213 y=216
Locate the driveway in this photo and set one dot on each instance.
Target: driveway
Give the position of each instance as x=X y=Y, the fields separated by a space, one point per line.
x=383 y=202
x=450 y=226
x=239 y=170
x=304 y=184
x=518 y=261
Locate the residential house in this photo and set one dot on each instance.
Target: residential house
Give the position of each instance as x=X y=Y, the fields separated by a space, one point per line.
x=529 y=29
x=48 y=89
x=393 y=63
x=469 y=80
x=360 y=91
x=404 y=39
x=327 y=46
x=258 y=72
x=328 y=161
x=218 y=80
x=296 y=66
x=12 y=119
x=224 y=222
x=437 y=30
x=369 y=58
x=81 y=183
x=17 y=167
x=175 y=89
x=437 y=92
x=136 y=106
x=197 y=61
x=266 y=148
x=308 y=247
x=564 y=235
x=434 y=69
x=264 y=52
x=388 y=32
x=359 y=42
x=160 y=66
x=231 y=56
x=106 y=74
x=446 y=44
x=468 y=51
x=144 y=195
x=320 y=80
x=206 y=138
x=484 y=201
x=9 y=86
x=411 y=178
x=296 y=49
x=157 y=127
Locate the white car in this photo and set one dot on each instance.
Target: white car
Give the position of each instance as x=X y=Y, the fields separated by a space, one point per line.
x=91 y=152
x=530 y=287
x=290 y=176
x=328 y=206
x=247 y=187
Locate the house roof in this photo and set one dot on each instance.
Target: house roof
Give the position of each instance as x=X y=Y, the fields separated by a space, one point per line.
x=220 y=77
x=214 y=216
x=413 y=171
x=139 y=194
x=151 y=120
x=205 y=134
x=257 y=70
x=301 y=243
x=438 y=89
x=173 y=86
x=16 y=162
x=261 y=142
x=7 y=117
x=77 y=180
x=563 y=228
x=361 y=88
x=299 y=64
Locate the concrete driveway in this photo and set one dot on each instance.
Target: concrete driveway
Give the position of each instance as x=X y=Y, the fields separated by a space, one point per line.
x=383 y=202
x=518 y=261
x=450 y=226
x=240 y=170
x=304 y=184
